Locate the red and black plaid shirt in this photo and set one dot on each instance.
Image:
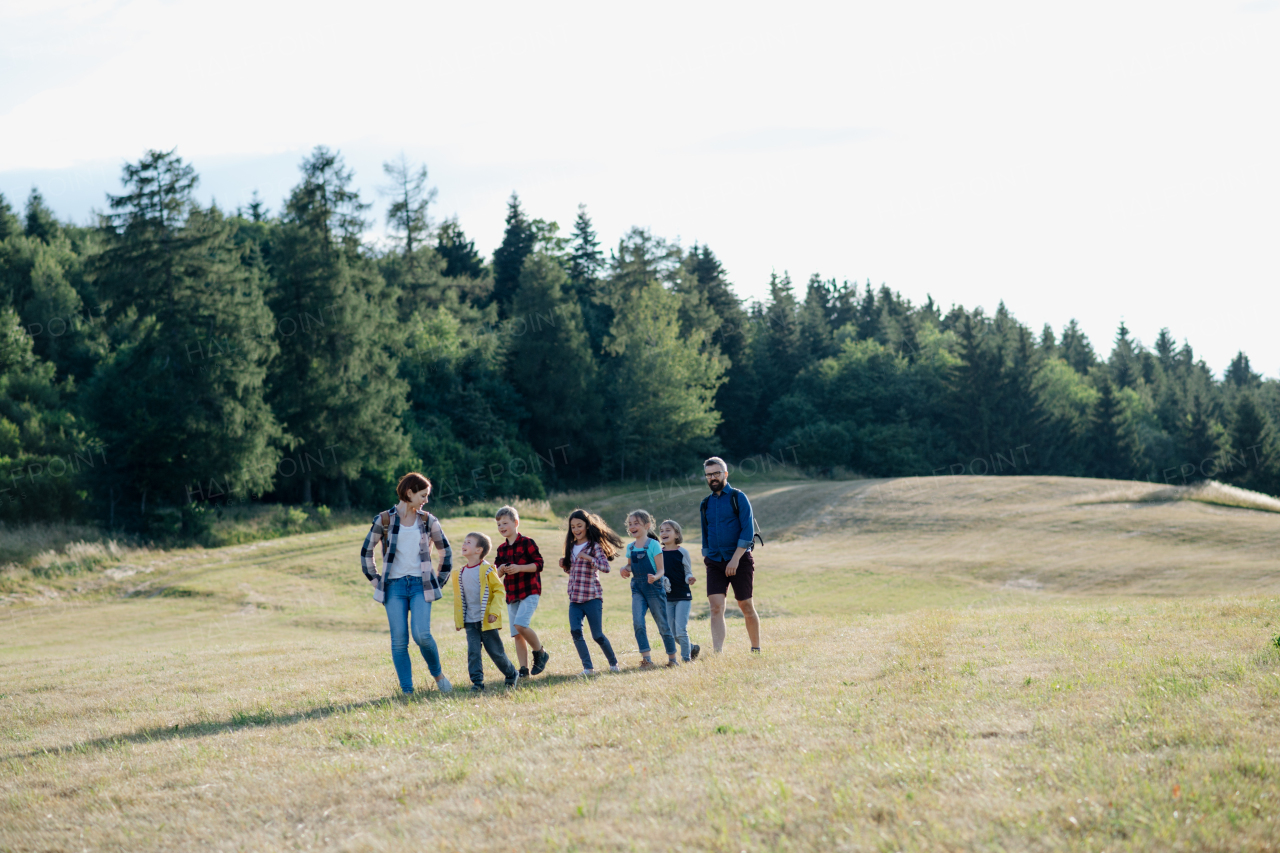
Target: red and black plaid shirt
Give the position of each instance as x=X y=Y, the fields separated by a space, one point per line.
x=523 y=552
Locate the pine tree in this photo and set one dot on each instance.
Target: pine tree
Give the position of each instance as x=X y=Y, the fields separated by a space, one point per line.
x=9 y=223
x=517 y=242
x=1076 y=349
x=1240 y=373
x=334 y=386
x=408 y=218
x=41 y=222
x=586 y=265
x=664 y=385
x=1048 y=341
x=1166 y=348
x=1202 y=440
x=1123 y=372
x=459 y=253
x=586 y=261
x=1112 y=439
x=1254 y=461
x=180 y=400
x=551 y=365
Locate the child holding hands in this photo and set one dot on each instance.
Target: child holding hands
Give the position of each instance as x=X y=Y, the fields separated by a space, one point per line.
x=520 y=567
x=589 y=545
x=648 y=593
x=477 y=593
x=678 y=570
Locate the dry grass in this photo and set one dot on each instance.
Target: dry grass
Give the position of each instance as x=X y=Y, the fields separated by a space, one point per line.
x=243 y=698
x=1209 y=492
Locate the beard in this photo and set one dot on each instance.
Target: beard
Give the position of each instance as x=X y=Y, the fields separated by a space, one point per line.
x=717 y=486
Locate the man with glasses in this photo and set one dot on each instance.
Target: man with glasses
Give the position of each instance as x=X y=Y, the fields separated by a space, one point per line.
x=728 y=532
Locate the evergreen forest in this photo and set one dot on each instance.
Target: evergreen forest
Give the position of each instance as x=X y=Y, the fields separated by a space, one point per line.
x=170 y=358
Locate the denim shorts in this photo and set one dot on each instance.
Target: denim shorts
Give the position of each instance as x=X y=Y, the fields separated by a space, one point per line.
x=521 y=612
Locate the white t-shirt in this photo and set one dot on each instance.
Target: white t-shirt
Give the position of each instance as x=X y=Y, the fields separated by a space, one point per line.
x=408 y=541
x=577 y=549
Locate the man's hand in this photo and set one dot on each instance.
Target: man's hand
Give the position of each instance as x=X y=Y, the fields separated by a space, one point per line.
x=731 y=568
x=493 y=617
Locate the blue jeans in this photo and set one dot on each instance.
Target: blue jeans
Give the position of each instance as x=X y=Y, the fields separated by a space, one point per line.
x=678 y=621
x=650 y=598
x=404 y=596
x=594 y=611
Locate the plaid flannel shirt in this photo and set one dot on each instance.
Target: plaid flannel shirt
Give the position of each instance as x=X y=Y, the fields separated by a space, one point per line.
x=584 y=583
x=430 y=533
x=522 y=552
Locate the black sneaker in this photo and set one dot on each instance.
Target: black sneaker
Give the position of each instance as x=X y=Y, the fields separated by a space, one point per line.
x=524 y=672
x=693 y=651
x=513 y=681
x=540 y=658
x=477 y=688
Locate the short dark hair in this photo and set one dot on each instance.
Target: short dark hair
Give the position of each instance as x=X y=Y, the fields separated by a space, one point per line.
x=412 y=482
x=484 y=543
x=716 y=460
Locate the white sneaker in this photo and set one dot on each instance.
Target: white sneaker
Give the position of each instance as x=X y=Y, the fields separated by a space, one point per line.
x=444 y=685
x=615 y=668
x=587 y=672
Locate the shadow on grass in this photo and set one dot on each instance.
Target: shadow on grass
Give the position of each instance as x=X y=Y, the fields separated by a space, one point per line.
x=265 y=717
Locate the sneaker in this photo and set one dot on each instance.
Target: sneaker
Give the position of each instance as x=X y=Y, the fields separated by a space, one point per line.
x=540 y=658
x=587 y=673
x=524 y=672
x=444 y=685
x=672 y=663
x=693 y=652
x=513 y=681
x=477 y=688
x=646 y=664
x=613 y=667
x=755 y=650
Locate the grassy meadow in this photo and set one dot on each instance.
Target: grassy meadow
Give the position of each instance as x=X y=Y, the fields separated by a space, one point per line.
x=1020 y=663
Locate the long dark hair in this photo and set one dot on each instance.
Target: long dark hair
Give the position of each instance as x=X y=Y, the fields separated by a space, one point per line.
x=598 y=533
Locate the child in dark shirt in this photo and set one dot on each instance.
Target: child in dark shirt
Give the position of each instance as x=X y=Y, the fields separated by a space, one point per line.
x=678 y=571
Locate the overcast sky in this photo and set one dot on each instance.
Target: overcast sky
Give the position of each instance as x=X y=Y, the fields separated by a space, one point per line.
x=1091 y=160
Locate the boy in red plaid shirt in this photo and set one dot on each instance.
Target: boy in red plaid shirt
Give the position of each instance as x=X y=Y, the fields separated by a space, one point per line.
x=520 y=566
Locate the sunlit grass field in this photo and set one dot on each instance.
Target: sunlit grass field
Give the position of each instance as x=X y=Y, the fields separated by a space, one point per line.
x=959 y=664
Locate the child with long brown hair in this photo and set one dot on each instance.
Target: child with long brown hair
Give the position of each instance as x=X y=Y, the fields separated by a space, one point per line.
x=589 y=545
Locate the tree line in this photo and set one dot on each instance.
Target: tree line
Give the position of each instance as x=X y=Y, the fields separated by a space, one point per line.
x=172 y=357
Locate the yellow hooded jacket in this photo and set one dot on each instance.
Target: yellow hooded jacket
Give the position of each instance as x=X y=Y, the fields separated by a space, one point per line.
x=492 y=596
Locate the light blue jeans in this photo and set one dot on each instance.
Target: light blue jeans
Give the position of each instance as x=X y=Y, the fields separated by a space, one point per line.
x=678 y=621
x=404 y=596
x=650 y=598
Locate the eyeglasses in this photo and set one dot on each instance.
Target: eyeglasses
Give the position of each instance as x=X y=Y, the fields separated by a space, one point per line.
x=711 y=474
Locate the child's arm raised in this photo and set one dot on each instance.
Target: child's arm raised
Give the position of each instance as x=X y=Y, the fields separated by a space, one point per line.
x=599 y=559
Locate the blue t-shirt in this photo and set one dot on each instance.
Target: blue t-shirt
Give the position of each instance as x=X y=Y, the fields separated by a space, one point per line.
x=643 y=561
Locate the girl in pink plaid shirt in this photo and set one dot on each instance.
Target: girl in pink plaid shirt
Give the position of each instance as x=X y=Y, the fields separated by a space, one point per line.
x=589 y=545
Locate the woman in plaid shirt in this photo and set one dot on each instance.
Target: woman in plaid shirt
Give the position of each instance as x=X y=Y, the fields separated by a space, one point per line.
x=589 y=545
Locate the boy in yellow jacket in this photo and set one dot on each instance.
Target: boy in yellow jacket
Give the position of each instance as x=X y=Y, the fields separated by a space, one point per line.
x=478 y=598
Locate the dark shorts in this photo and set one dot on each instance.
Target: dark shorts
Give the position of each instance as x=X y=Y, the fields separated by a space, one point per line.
x=741 y=580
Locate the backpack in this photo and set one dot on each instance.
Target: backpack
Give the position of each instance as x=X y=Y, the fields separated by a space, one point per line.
x=733 y=502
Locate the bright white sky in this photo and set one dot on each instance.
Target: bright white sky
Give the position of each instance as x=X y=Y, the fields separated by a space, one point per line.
x=1097 y=160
